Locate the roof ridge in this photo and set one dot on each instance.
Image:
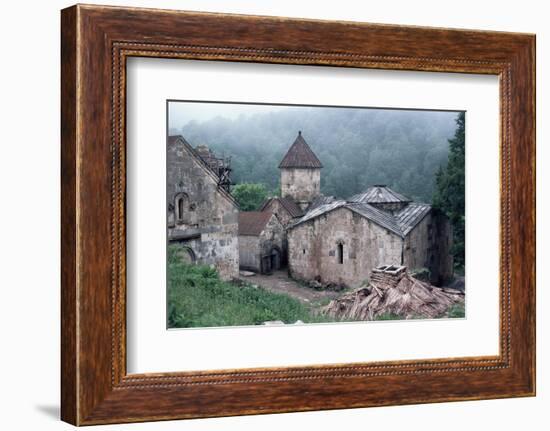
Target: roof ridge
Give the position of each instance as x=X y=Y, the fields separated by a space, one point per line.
x=400 y=223
x=287 y=203
x=172 y=140
x=300 y=155
x=379 y=193
x=291 y=206
x=386 y=220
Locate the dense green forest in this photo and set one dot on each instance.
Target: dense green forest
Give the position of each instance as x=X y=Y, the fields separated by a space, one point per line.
x=358 y=147
x=450 y=190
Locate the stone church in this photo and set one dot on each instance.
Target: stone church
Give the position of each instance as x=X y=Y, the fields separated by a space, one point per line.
x=318 y=237
x=341 y=241
x=203 y=216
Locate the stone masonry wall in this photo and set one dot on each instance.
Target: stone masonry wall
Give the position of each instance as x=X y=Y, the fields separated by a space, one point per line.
x=208 y=212
x=428 y=246
x=285 y=218
x=313 y=248
x=273 y=236
x=249 y=253
x=416 y=253
x=444 y=262
x=276 y=208
x=302 y=184
x=253 y=248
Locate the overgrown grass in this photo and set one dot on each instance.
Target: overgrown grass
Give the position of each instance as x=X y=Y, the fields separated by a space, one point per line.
x=198 y=298
x=456 y=311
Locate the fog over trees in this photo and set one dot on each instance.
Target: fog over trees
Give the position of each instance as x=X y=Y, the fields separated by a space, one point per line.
x=358 y=147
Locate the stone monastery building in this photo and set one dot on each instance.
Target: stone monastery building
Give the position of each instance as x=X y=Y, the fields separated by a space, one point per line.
x=203 y=217
x=317 y=237
x=340 y=241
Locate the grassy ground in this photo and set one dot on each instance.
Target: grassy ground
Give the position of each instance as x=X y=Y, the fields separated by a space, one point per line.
x=198 y=298
x=456 y=311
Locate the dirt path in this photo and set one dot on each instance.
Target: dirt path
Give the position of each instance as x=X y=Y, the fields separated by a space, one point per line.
x=279 y=282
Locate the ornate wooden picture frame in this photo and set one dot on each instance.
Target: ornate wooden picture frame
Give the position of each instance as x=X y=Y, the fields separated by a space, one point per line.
x=96 y=41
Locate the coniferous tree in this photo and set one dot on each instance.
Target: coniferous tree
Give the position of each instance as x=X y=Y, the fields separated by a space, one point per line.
x=449 y=195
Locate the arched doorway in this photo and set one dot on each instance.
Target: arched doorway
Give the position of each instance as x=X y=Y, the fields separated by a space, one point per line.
x=275 y=258
x=271 y=261
x=186 y=255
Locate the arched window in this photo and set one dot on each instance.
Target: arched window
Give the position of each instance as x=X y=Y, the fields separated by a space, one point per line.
x=182 y=208
x=340 y=253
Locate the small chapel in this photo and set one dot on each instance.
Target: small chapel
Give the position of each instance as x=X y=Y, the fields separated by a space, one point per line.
x=341 y=241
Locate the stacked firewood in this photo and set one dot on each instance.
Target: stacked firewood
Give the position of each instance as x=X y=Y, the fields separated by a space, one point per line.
x=392 y=291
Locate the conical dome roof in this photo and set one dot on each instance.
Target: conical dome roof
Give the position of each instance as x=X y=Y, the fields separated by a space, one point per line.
x=300 y=155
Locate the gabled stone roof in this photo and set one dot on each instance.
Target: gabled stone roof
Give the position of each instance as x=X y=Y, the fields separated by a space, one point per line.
x=401 y=223
x=320 y=200
x=379 y=194
x=175 y=139
x=320 y=210
x=382 y=218
x=253 y=222
x=287 y=203
x=411 y=215
x=300 y=155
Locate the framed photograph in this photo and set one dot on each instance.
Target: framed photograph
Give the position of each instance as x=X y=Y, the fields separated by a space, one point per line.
x=265 y=214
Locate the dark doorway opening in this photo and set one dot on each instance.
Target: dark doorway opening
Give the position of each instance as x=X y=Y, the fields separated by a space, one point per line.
x=273 y=261
x=275 y=258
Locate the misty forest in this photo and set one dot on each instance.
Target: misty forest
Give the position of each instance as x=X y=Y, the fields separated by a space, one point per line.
x=358 y=147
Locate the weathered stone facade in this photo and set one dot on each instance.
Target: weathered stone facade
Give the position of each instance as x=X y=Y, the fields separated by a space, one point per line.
x=441 y=259
x=340 y=247
x=428 y=245
x=202 y=215
x=302 y=185
x=275 y=206
x=287 y=211
x=343 y=246
x=249 y=253
x=261 y=237
x=416 y=245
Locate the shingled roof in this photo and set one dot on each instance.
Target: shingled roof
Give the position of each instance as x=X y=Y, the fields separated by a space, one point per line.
x=320 y=200
x=379 y=194
x=400 y=223
x=287 y=203
x=300 y=155
x=253 y=222
x=411 y=215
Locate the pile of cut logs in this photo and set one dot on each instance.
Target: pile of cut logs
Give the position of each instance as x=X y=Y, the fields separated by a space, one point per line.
x=394 y=292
